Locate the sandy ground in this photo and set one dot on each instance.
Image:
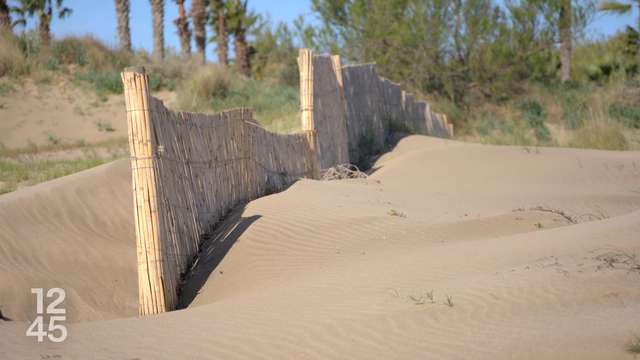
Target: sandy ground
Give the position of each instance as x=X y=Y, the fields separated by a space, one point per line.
x=321 y=270
x=32 y=112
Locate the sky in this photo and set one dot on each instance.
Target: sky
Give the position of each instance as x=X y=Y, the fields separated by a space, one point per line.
x=98 y=18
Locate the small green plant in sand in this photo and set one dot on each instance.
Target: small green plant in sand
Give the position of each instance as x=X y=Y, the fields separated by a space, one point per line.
x=539 y=225
x=448 y=302
x=419 y=298
x=633 y=346
x=393 y=212
x=6 y=89
x=104 y=125
x=599 y=214
x=52 y=137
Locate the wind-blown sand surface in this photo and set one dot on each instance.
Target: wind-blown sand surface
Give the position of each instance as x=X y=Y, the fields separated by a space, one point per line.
x=321 y=270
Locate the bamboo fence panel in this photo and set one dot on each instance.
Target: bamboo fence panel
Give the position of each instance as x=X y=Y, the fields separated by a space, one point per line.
x=190 y=170
x=372 y=102
x=393 y=99
x=323 y=106
x=366 y=109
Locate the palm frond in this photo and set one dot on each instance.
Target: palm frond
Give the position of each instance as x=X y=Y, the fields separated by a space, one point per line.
x=615 y=7
x=65 y=12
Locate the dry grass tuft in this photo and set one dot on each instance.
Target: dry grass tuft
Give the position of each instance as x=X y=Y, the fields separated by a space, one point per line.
x=205 y=83
x=601 y=132
x=12 y=61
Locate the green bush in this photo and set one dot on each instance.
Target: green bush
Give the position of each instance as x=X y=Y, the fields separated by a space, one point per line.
x=399 y=127
x=629 y=116
x=542 y=133
x=51 y=64
x=484 y=128
x=534 y=115
x=107 y=82
x=531 y=108
x=69 y=51
x=574 y=105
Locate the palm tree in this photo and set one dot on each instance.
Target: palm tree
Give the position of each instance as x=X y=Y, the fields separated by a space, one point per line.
x=219 y=9
x=618 y=8
x=199 y=16
x=565 y=38
x=44 y=10
x=183 y=30
x=124 y=32
x=240 y=22
x=157 y=16
x=5 y=18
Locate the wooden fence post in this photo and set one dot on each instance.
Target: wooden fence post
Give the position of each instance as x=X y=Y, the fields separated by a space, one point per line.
x=341 y=128
x=145 y=196
x=305 y=63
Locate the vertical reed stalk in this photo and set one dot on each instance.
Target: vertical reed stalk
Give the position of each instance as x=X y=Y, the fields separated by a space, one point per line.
x=145 y=196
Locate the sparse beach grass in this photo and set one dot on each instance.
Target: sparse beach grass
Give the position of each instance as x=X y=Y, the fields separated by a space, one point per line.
x=22 y=167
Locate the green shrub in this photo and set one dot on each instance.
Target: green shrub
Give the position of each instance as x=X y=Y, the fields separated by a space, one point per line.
x=90 y=53
x=109 y=82
x=399 y=127
x=532 y=112
x=51 y=64
x=542 y=133
x=531 y=108
x=484 y=127
x=69 y=51
x=629 y=116
x=574 y=105
x=6 y=88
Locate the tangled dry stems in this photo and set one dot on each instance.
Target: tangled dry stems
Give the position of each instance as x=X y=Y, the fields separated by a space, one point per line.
x=550 y=209
x=616 y=256
x=343 y=171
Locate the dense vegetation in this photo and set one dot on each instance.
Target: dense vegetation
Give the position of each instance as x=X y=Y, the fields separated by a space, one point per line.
x=495 y=70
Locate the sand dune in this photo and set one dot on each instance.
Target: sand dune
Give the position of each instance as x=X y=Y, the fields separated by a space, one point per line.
x=321 y=270
x=63 y=110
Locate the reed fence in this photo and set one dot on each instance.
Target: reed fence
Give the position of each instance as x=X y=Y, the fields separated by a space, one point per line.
x=351 y=104
x=189 y=170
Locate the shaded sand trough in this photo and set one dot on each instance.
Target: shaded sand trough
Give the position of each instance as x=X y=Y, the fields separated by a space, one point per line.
x=321 y=270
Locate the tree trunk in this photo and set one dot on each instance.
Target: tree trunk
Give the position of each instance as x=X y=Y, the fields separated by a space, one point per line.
x=199 y=16
x=5 y=18
x=183 y=30
x=124 y=32
x=243 y=66
x=223 y=40
x=43 y=28
x=565 y=38
x=157 y=14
